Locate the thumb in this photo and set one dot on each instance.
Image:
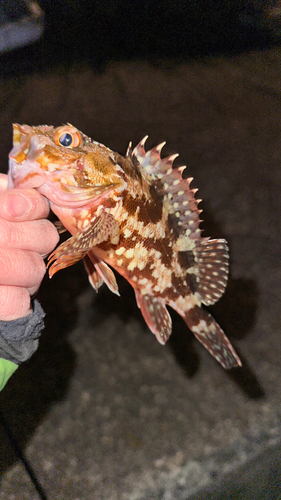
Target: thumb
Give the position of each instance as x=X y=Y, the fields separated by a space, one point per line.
x=3 y=182
x=23 y=205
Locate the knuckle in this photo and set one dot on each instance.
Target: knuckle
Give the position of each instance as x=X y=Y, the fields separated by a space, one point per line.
x=21 y=267
x=39 y=268
x=49 y=236
x=52 y=232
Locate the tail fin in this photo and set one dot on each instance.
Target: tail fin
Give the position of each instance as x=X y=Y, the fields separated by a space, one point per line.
x=209 y=333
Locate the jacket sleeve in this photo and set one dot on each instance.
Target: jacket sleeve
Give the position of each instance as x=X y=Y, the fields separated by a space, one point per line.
x=19 y=340
x=7 y=368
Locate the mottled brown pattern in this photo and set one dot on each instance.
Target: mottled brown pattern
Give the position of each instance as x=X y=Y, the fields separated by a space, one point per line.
x=177 y=283
x=172 y=221
x=146 y=206
x=184 y=283
x=53 y=154
x=99 y=162
x=131 y=241
x=194 y=316
x=139 y=233
x=144 y=211
x=152 y=211
x=129 y=168
x=81 y=175
x=145 y=272
x=173 y=292
x=130 y=203
x=185 y=259
x=162 y=246
x=109 y=203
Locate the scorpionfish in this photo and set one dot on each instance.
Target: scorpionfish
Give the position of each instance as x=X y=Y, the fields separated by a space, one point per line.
x=134 y=213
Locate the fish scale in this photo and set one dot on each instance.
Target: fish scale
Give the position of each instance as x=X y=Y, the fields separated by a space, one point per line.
x=135 y=214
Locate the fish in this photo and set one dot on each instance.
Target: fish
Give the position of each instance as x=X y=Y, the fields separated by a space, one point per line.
x=135 y=214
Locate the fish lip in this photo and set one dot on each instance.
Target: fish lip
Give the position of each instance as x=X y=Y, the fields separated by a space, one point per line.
x=23 y=144
x=17 y=178
x=10 y=178
x=20 y=159
x=23 y=154
x=12 y=173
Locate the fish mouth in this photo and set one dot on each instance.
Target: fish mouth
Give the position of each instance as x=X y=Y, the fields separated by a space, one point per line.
x=29 y=168
x=24 y=171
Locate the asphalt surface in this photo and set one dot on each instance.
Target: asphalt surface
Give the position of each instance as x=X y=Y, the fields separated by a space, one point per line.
x=102 y=411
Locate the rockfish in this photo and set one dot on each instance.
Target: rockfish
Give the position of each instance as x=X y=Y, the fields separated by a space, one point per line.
x=134 y=213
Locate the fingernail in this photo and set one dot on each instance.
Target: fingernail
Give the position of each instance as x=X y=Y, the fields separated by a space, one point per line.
x=17 y=205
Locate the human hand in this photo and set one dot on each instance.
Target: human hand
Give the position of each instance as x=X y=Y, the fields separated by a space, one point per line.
x=26 y=237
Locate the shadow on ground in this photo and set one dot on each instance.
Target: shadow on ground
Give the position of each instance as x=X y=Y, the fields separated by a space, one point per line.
x=235 y=312
x=45 y=378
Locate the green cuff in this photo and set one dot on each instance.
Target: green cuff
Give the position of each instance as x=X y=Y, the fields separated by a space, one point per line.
x=7 y=368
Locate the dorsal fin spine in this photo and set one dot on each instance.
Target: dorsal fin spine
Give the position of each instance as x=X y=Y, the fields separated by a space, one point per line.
x=129 y=150
x=178 y=198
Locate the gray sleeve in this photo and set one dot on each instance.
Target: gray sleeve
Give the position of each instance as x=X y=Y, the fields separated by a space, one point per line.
x=19 y=338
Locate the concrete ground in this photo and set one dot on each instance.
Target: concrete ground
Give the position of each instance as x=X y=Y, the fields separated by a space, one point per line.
x=102 y=411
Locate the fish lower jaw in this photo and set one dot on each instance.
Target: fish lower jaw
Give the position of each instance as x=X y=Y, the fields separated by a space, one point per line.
x=23 y=177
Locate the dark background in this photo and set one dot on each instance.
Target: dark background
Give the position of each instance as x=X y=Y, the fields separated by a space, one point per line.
x=104 y=30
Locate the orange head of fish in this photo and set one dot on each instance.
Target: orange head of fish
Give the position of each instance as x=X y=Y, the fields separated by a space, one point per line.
x=63 y=164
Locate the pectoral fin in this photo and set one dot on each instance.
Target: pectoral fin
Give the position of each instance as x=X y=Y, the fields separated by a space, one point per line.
x=101 y=229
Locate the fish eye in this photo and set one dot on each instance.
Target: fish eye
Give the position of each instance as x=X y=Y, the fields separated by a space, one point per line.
x=68 y=137
x=66 y=140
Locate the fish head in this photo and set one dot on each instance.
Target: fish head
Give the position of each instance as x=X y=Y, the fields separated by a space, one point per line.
x=63 y=164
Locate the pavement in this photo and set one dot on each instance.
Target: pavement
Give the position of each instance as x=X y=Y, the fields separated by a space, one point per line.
x=102 y=411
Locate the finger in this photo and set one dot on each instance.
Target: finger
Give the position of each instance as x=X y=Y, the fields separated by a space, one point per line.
x=14 y=303
x=21 y=268
x=3 y=182
x=23 y=204
x=38 y=235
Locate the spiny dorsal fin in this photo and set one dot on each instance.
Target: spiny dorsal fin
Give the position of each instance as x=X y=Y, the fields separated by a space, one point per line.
x=178 y=198
x=211 y=256
x=211 y=260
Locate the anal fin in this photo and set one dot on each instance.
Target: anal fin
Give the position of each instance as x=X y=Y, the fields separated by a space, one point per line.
x=156 y=316
x=211 y=336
